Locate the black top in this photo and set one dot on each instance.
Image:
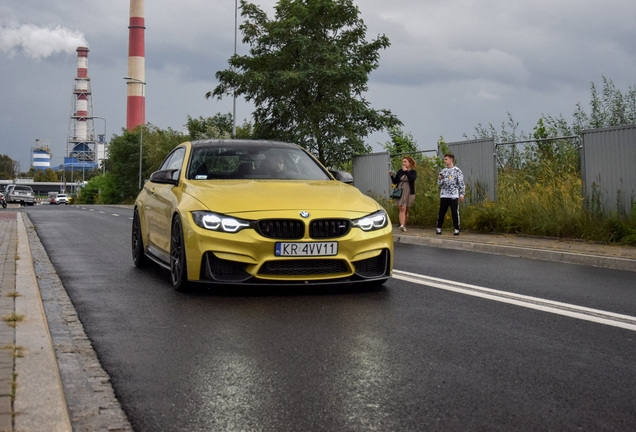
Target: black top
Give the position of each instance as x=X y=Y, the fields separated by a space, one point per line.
x=410 y=174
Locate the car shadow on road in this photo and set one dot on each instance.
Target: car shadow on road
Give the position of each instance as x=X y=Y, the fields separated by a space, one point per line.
x=162 y=278
x=214 y=290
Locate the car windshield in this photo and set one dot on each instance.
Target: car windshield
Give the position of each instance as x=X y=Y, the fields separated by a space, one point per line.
x=253 y=161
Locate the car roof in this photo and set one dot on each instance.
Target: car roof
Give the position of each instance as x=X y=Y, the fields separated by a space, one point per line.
x=265 y=144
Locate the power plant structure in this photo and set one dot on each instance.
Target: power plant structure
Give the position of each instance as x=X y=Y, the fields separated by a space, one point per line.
x=136 y=100
x=80 y=147
x=41 y=155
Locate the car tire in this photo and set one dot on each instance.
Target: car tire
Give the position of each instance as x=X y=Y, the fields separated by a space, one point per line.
x=178 y=266
x=139 y=257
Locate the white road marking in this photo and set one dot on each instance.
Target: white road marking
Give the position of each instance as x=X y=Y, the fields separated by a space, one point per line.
x=115 y=214
x=573 y=311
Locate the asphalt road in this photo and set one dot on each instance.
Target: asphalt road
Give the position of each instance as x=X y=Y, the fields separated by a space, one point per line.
x=409 y=356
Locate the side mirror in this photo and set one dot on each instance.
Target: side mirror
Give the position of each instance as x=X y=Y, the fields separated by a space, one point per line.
x=164 y=176
x=342 y=176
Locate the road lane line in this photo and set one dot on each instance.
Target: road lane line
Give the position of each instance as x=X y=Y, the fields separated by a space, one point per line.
x=114 y=214
x=573 y=311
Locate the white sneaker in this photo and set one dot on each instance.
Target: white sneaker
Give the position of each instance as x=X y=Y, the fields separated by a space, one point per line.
x=438 y=231
x=402 y=228
x=456 y=232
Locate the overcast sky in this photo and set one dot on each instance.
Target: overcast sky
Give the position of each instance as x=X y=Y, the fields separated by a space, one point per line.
x=452 y=64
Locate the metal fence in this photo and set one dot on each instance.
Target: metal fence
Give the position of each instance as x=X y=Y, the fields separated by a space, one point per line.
x=607 y=158
x=371 y=174
x=478 y=162
x=608 y=169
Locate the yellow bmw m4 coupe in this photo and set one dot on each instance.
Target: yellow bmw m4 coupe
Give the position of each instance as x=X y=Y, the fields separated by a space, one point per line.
x=250 y=212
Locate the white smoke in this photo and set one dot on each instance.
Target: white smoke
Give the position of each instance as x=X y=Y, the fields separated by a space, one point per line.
x=39 y=42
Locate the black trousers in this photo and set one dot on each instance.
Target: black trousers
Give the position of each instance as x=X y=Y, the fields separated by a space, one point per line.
x=444 y=204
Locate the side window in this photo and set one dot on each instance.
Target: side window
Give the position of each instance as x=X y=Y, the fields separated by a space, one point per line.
x=174 y=161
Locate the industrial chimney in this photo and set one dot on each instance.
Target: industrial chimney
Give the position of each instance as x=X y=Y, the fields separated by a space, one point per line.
x=136 y=102
x=80 y=147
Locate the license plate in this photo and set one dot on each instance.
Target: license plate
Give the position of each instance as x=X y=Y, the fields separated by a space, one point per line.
x=306 y=249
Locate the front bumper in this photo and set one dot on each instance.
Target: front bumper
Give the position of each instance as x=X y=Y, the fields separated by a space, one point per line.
x=247 y=258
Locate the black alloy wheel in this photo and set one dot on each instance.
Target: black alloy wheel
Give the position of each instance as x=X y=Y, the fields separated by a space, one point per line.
x=139 y=258
x=178 y=267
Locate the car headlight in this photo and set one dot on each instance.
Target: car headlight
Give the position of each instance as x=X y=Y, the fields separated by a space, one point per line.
x=373 y=221
x=219 y=222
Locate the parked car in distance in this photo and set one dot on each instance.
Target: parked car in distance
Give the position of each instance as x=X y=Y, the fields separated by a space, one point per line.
x=61 y=199
x=246 y=212
x=16 y=193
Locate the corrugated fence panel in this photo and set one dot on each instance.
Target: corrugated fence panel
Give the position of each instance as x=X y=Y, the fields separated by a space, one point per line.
x=476 y=159
x=608 y=168
x=371 y=174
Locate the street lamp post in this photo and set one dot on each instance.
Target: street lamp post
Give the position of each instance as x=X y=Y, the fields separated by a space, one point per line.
x=63 y=174
x=234 y=102
x=141 y=131
x=103 y=164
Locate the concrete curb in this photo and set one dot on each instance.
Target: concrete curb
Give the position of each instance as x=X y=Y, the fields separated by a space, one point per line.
x=615 y=263
x=39 y=397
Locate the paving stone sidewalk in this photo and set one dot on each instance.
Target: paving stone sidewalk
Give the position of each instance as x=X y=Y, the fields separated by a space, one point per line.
x=8 y=250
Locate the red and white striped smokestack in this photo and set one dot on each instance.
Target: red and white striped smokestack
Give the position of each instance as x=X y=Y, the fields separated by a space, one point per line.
x=82 y=93
x=136 y=103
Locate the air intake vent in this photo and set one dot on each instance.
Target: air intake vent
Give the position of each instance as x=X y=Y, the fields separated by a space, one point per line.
x=223 y=270
x=304 y=267
x=373 y=267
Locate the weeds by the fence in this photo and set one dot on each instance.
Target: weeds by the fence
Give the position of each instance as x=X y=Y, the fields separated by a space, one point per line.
x=543 y=202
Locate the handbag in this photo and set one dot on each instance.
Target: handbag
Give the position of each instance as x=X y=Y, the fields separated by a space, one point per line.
x=396 y=194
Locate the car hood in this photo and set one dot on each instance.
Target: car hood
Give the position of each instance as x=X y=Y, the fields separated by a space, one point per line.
x=244 y=196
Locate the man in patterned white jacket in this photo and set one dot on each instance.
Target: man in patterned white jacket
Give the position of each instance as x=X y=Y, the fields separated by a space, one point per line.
x=451 y=181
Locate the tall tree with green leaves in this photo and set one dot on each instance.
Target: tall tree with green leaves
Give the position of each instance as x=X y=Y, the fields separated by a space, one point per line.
x=8 y=168
x=402 y=144
x=217 y=126
x=47 y=175
x=306 y=73
x=123 y=161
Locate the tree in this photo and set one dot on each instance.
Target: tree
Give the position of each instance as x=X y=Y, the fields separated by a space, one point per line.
x=612 y=108
x=402 y=144
x=306 y=73
x=123 y=161
x=218 y=126
x=8 y=168
x=46 y=175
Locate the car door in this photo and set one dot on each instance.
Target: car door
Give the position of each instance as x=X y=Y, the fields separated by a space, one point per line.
x=161 y=203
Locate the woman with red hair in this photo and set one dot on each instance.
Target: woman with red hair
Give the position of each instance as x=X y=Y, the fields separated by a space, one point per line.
x=405 y=180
